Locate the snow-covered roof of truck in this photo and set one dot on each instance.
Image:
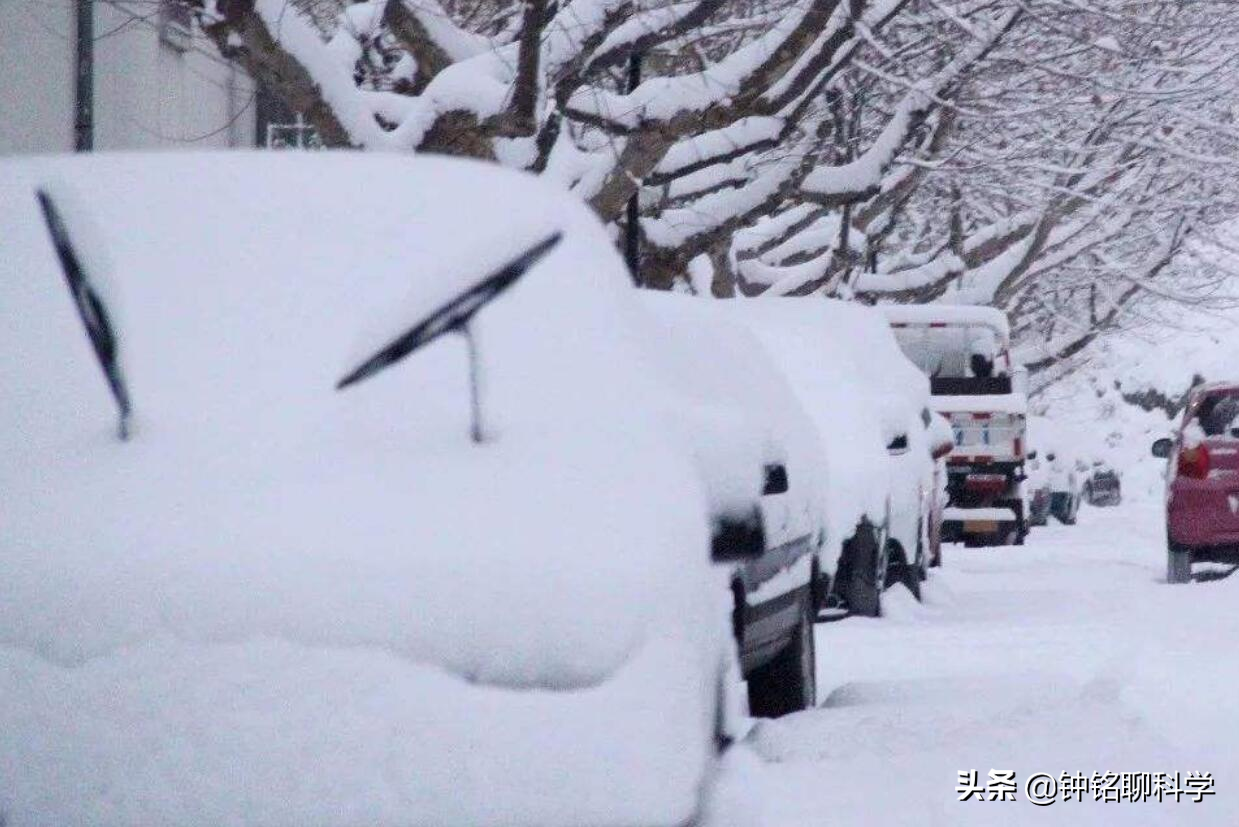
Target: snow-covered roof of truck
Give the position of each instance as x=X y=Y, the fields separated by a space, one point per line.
x=948 y=315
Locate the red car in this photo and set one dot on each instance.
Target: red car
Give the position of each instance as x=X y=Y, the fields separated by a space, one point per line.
x=1202 y=482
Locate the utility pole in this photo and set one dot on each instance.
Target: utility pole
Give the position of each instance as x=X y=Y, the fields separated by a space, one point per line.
x=84 y=79
x=632 y=225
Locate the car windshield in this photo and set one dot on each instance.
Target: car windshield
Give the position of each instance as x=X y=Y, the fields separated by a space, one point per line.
x=1218 y=413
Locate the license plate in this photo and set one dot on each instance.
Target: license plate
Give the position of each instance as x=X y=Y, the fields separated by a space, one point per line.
x=981 y=526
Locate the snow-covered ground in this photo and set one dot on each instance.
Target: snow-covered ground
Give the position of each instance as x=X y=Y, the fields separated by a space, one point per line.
x=1070 y=654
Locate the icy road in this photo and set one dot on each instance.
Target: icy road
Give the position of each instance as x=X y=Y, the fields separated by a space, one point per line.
x=1069 y=655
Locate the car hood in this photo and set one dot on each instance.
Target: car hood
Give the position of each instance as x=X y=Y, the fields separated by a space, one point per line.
x=254 y=499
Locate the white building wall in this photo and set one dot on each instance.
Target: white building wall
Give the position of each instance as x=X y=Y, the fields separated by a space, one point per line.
x=36 y=76
x=147 y=93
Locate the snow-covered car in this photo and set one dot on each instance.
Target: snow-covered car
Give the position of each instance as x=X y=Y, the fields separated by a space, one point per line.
x=257 y=566
x=1037 y=491
x=1202 y=481
x=869 y=405
x=740 y=413
x=1063 y=480
x=965 y=351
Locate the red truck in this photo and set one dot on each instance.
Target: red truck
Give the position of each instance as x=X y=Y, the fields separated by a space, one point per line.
x=1202 y=482
x=965 y=351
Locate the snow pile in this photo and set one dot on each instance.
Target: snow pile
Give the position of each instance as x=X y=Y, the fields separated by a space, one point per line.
x=1069 y=655
x=275 y=589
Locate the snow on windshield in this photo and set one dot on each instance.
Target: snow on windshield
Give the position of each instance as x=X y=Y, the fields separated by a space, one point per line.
x=255 y=499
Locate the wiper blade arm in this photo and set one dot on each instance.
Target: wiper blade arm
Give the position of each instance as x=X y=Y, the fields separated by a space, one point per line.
x=90 y=308
x=453 y=316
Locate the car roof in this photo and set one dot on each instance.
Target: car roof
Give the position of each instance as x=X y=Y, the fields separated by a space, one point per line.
x=1214 y=387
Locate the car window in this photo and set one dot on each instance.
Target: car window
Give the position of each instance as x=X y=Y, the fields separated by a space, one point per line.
x=1218 y=413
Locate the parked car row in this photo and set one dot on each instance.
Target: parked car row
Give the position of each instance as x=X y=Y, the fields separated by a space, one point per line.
x=360 y=467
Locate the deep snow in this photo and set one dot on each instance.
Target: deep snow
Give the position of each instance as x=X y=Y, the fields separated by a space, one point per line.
x=1070 y=654
x=282 y=604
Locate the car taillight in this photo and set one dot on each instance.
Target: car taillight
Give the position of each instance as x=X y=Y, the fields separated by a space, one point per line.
x=985 y=483
x=1194 y=462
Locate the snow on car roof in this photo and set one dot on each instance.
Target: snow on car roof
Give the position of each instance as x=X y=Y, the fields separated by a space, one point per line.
x=254 y=498
x=853 y=381
x=727 y=380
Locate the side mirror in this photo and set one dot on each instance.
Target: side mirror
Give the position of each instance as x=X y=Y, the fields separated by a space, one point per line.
x=1162 y=448
x=738 y=538
x=898 y=445
x=942 y=449
x=776 y=479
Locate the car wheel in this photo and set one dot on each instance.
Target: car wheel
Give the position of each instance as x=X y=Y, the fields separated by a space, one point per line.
x=866 y=572
x=1020 y=534
x=1070 y=517
x=1178 y=564
x=935 y=557
x=789 y=682
x=899 y=570
x=922 y=553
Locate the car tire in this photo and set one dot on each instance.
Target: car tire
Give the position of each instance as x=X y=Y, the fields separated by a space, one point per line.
x=789 y=682
x=899 y=570
x=922 y=553
x=1021 y=534
x=1178 y=564
x=866 y=572
x=1074 y=512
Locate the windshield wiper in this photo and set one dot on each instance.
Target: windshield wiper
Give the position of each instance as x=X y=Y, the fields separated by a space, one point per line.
x=90 y=308
x=454 y=317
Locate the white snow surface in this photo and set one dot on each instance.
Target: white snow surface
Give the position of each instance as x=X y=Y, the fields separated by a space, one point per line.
x=1067 y=655
x=279 y=603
